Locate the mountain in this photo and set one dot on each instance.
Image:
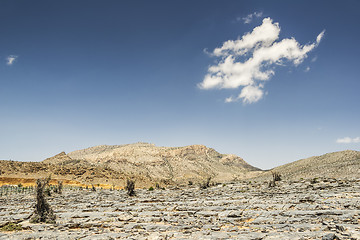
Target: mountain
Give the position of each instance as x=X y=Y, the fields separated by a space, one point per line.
x=343 y=164
x=144 y=162
x=163 y=164
x=149 y=164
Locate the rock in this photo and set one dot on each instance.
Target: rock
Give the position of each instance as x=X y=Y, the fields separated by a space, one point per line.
x=125 y=217
x=330 y=236
x=187 y=213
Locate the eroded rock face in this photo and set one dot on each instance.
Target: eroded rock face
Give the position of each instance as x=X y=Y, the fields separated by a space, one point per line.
x=144 y=162
x=175 y=164
x=297 y=209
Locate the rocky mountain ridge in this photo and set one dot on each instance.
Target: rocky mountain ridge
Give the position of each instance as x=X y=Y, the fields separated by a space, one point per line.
x=145 y=162
x=162 y=164
x=148 y=164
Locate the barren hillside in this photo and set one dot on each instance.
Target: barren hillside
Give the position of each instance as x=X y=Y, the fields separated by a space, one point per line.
x=343 y=164
x=147 y=163
x=167 y=164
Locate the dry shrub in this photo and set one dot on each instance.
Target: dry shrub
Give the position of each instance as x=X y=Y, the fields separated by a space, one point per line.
x=276 y=178
x=205 y=184
x=130 y=187
x=43 y=212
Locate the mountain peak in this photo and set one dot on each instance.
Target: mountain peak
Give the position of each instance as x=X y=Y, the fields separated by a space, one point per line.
x=165 y=163
x=58 y=158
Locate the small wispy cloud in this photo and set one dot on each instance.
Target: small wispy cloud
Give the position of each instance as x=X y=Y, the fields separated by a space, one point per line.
x=248 y=19
x=229 y=99
x=250 y=60
x=348 y=140
x=307 y=69
x=314 y=59
x=11 y=59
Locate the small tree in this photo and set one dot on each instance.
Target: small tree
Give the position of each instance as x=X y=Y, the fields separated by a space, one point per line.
x=60 y=187
x=205 y=184
x=276 y=177
x=43 y=212
x=130 y=187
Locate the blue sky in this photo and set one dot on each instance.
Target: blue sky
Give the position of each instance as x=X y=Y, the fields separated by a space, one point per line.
x=75 y=74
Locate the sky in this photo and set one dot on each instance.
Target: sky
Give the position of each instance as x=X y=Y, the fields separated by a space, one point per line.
x=269 y=81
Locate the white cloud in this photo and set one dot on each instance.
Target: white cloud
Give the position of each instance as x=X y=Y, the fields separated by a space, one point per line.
x=251 y=94
x=264 y=35
x=348 y=140
x=11 y=59
x=249 y=18
x=314 y=59
x=249 y=61
x=229 y=99
x=307 y=69
x=320 y=36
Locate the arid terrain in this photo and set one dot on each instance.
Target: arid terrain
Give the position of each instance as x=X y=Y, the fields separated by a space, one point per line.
x=146 y=163
x=321 y=209
x=110 y=166
x=314 y=198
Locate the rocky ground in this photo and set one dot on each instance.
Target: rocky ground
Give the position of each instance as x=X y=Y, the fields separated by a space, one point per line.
x=304 y=209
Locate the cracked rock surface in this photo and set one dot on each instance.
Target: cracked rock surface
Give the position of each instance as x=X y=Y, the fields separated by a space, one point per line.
x=303 y=209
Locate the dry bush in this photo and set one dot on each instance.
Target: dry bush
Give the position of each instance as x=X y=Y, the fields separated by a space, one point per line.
x=205 y=184
x=43 y=212
x=276 y=178
x=60 y=187
x=130 y=187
